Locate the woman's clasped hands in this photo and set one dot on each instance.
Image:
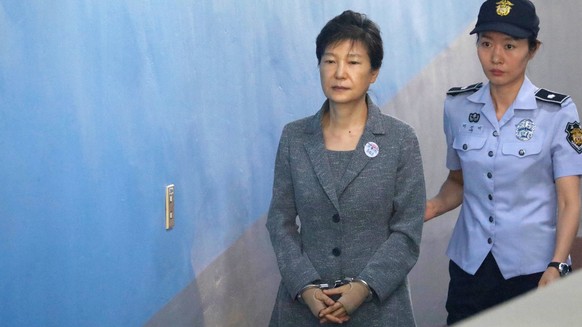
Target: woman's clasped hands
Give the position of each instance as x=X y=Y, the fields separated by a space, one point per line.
x=321 y=304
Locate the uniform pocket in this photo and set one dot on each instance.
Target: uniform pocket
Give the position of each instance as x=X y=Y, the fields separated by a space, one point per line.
x=468 y=143
x=521 y=149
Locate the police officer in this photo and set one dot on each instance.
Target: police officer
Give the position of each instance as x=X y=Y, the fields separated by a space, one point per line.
x=515 y=157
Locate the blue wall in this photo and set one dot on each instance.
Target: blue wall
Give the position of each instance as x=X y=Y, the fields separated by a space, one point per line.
x=103 y=103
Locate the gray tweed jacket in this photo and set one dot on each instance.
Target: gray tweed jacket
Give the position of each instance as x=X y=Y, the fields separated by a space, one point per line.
x=369 y=229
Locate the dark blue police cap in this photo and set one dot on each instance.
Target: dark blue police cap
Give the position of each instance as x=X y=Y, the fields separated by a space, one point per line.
x=516 y=18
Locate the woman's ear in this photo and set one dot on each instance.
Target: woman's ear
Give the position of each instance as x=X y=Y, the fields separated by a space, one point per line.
x=532 y=52
x=375 y=73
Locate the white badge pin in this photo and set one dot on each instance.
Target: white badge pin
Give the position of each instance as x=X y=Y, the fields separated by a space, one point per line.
x=524 y=131
x=371 y=149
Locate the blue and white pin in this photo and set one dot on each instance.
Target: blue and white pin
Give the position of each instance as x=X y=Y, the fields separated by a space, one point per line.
x=524 y=130
x=371 y=149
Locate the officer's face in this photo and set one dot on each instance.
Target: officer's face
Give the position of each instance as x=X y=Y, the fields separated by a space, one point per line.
x=503 y=58
x=345 y=72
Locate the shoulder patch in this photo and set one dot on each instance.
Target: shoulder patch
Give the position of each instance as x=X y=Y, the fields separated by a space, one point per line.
x=458 y=90
x=549 y=96
x=574 y=131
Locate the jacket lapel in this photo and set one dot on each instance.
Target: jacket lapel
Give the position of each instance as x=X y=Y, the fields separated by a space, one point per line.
x=358 y=162
x=316 y=151
x=360 y=159
x=315 y=148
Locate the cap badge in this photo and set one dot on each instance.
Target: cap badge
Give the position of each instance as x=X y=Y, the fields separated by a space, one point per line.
x=574 y=131
x=524 y=130
x=503 y=7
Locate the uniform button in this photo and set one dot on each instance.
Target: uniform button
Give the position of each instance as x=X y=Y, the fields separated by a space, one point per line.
x=336 y=252
x=489 y=175
x=490 y=153
x=489 y=240
x=490 y=219
x=521 y=152
x=465 y=146
x=495 y=133
x=490 y=197
x=336 y=218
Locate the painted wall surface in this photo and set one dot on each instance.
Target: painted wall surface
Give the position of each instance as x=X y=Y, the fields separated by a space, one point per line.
x=104 y=103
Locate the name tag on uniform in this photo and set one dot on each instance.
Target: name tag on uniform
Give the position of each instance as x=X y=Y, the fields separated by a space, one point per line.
x=472 y=128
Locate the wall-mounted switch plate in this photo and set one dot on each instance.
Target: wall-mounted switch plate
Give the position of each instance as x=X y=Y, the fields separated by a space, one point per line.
x=170 y=206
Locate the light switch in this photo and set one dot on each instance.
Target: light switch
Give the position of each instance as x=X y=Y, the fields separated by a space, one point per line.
x=170 y=206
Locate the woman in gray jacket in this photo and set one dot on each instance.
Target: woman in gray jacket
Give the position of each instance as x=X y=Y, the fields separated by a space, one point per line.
x=353 y=177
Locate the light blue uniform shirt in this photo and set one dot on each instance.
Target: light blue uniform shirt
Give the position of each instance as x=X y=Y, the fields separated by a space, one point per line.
x=509 y=168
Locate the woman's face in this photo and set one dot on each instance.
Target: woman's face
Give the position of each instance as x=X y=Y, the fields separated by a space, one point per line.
x=503 y=58
x=345 y=72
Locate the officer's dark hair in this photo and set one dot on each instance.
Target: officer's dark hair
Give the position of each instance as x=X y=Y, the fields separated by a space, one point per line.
x=533 y=43
x=356 y=27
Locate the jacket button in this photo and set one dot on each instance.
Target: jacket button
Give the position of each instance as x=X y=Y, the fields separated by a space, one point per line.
x=495 y=133
x=489 y=240
x=490 y=219
x=489 y=175
x=336 y=252
x=490 y=197
x=336 y=218
x=465 y=146
x=490 y=153
x=521 y=152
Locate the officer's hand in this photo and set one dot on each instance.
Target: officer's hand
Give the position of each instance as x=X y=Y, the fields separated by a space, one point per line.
x=431 y=211
x=550 y=275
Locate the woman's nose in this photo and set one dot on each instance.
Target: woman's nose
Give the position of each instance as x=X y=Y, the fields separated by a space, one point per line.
x=496 y=55
x=340 y=70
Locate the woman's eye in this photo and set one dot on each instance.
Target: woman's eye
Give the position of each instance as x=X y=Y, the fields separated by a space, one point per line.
x=510 y=46
x=354 y=62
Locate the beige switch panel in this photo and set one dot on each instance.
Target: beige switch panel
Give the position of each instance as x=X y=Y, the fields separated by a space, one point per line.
x=170 y=206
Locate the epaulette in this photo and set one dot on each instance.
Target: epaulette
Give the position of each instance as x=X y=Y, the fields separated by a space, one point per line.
x=458 y=90
x=549 y=96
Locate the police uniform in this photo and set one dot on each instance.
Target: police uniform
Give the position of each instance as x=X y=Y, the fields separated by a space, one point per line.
x=509 y=168
x=505 y=236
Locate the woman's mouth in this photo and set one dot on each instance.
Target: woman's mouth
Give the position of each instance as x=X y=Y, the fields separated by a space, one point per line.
x=496 y=72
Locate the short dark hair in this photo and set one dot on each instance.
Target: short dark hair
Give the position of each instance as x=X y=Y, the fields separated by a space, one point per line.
x=354 y=26
x=533 y=43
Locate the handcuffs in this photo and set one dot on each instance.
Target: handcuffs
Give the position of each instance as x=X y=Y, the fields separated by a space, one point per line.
x=336 y=283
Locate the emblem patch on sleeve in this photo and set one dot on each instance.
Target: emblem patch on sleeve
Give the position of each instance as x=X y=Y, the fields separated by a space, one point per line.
x=574 y=137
